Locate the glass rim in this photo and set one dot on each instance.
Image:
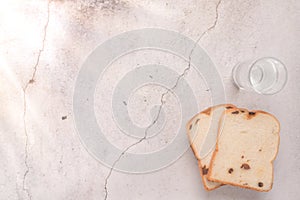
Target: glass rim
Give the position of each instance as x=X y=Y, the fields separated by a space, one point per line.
x=284 y=69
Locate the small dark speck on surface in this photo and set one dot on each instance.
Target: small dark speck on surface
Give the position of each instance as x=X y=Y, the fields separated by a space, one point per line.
x=235 y=112
x=64 y=117
x=150 y=76
x=204 y=170
x=124 y=102
x=251 y=113
x=230 y=170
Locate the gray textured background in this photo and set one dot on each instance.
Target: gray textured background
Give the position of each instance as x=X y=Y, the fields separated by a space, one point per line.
x=41 y=154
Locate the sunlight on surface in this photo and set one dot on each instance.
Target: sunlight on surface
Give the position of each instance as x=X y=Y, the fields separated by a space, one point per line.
x=7 y=72
x=17 y=24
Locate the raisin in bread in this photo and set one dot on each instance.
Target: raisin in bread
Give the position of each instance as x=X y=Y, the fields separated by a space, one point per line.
x=202 y=132
x=247 y=145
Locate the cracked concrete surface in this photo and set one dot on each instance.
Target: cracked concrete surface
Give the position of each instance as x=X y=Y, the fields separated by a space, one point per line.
x=31 y=81
x=42 y=46
x=162 y=101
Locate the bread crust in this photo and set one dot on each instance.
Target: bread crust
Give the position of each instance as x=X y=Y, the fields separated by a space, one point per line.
x=203 y=179
x=217 y=149
x=207 y=112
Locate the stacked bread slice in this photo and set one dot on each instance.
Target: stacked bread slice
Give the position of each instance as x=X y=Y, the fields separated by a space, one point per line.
x=234 y=146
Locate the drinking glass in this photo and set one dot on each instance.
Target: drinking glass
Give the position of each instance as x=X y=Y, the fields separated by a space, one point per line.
x=265 y=76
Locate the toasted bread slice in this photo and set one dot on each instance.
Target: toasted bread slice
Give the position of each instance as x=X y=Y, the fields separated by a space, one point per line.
x=202 y=132
x=247 y=145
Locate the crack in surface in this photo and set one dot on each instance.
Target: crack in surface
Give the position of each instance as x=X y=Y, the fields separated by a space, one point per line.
x=31 y=81
x=162 y=102
x=41 y=49
x=126 y=149
x=191 y=53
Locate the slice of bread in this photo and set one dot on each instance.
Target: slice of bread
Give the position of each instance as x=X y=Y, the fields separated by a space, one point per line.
x=247 y=145
x=202 y=132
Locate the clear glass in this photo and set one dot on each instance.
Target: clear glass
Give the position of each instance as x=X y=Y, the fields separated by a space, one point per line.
x=265 y=76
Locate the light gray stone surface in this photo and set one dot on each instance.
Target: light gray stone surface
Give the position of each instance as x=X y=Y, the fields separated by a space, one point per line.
x=41 y=155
